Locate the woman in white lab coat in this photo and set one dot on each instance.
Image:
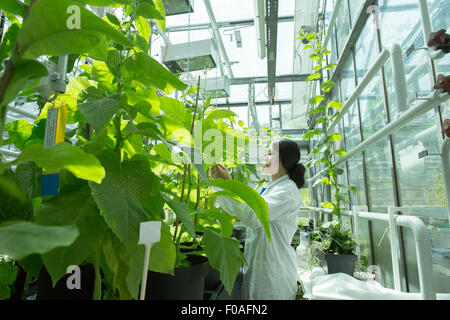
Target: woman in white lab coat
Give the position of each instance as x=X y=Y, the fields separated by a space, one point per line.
x=271 y=272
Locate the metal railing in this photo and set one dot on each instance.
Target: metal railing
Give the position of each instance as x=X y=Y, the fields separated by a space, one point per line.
x=422 y=243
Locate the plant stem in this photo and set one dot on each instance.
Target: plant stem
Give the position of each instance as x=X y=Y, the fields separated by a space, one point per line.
x=177 y=221
x=7 y=76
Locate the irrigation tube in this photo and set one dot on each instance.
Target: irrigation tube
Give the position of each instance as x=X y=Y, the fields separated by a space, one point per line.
x=422 y=243
x=432 y=100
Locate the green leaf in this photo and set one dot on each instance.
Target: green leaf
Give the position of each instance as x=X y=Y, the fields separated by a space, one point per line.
x=220 y=114
x=318 y=110
x=143 y=27
x=19 y=239
x=160 y=7
x=99 y=112
x=339 y=171
x=148 y=11
x=317 y=68
x=150 y=72
x=315 y=57
x=11 y=189
x=317 y=99
x=311 y=133
x=335 y=104
x=113 y=19
x=224 y=255
x=330 y=66
x=51 y=35
x=181 y=210
x=19 y=131
x=25 y=71
x=327 y=205
x=327 y=85
x=341 y=152
x=121 y=195
x=335 y=137
x=163 y=253
x=71 y=208
x=313 y=76
x=15 y=7
x=250 y=196
x=65 y=156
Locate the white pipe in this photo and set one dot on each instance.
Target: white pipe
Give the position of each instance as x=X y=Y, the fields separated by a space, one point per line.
x=426 y=20
x=422 y=242
x=22 y=112
x=445 y=158
x=218 y=37
x=332 y=22
x=368 y=77
x=10 y=153
x=398 y=70
x=394 y=247
x=432 y=100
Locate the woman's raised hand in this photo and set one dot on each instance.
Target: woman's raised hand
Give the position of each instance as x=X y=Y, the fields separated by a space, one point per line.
x=219 y=171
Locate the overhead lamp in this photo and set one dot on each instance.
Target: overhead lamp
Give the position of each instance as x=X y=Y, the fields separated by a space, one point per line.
x=215 y=87
x=191 y=56
x=173 y=7
x=259 y=20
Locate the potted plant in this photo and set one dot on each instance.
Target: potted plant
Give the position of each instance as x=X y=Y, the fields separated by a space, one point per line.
x=116 y=166
x=338 y=244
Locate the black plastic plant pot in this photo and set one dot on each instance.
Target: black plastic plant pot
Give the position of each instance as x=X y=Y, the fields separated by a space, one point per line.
x=61 y=291
x=344 y=263
x=186 y=284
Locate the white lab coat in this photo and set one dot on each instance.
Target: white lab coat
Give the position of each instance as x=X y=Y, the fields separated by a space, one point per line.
x=271 y=273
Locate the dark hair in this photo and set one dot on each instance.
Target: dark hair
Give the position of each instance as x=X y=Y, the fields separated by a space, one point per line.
x=289 y=157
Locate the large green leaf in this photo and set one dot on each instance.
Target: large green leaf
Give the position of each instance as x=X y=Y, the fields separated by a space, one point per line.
x=120 y=194
x=99 y=112
x=148 y=11
x=150 y=72
x=162 y=254
x=18 y=131
x=51 y=35
x=220 y=114
x=14 y=6
x=19 y=239
x=14 y=203
x=224 y=255
x=143 y=27
x=71 y=208
x=64 y=155
x=181 y=210
x=248 y=195
x=24 y=72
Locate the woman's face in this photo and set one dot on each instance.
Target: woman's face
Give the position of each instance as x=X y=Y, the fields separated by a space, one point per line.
x=272 y=160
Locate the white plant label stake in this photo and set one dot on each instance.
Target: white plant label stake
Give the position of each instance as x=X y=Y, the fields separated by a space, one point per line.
x=149 y=234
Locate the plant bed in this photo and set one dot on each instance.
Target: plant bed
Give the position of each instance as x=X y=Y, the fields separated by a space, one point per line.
x=187 y=283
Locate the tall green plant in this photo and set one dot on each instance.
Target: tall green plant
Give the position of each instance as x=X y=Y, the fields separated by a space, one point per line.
x=116 y=165
x=325 y=111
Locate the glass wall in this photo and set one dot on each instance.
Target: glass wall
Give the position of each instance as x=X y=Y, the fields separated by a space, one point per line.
x=390 y=172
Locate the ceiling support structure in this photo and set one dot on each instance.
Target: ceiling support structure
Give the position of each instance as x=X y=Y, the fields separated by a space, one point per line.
x=215 y=29
x=271 y=32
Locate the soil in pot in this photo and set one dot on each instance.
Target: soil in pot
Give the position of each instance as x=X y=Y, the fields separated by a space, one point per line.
x=45 y=291
x=344 y=263
x=186 y=284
